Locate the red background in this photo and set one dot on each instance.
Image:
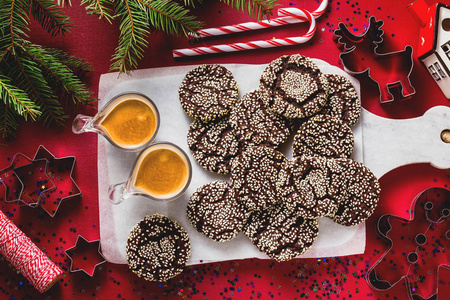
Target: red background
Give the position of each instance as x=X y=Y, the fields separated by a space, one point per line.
x=331 y=278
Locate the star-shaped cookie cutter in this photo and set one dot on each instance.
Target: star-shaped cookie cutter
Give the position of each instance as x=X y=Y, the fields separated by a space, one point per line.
x=82 y=253
x=423 y=237
x=25 y=180
x=60 y=170
x=31 y=182
x=386 y=70
x=12 y=185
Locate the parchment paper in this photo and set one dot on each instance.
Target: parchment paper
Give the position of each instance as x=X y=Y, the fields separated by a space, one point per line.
x=114 y=166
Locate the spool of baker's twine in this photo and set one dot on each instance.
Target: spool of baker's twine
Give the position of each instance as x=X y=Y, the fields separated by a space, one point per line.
x=26 y=257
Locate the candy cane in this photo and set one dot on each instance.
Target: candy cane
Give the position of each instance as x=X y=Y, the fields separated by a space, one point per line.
x=254 y=44
x=26 y=257
x=287 y=16
x=293 y=12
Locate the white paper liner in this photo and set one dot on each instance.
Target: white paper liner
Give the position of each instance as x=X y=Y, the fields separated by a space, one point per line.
x=114 y=166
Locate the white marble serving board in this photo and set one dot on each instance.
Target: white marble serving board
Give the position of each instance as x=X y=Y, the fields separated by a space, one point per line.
x=161 y=84
x=390 y=143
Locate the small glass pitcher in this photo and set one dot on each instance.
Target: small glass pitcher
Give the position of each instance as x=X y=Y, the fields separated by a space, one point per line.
x=161 y=172
x=129 y=121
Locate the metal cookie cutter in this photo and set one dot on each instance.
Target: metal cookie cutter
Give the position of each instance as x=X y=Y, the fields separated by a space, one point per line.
x=32 y=176
x=386 y=70
x=60 y=170
x=12 y=184
x=418 y=247
x=85 y=256
x=31 y=182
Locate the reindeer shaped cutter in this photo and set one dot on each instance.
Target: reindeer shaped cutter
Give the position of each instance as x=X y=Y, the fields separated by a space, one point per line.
x=385 y=69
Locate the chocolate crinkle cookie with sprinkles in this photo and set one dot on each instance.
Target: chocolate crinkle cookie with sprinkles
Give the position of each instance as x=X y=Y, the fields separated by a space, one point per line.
x=343 y=102
x=208 y=92
x=215 y=211
x=213 y=145
x=157 y=248
x=280 y=233
x=362 y=192
x=323 y=135
x=293 y=86
x=254 y=174
x=255 y=125
x=304 y=184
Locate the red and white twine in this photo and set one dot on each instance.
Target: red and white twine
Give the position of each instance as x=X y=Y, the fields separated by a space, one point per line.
x=26 y=257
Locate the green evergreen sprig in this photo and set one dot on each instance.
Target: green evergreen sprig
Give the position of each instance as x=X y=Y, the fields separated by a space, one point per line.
x=138 y=18
x=36 y=83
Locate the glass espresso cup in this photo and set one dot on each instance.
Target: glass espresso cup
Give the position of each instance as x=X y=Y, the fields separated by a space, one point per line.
x=128 y=121
x=161 y=172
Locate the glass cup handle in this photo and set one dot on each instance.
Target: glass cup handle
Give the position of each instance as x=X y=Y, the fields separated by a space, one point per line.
x=82 y=123
x=117 y=193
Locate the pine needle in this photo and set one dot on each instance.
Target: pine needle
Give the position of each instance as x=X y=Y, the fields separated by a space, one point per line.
x=16 y=99
x=101 y=8
x=255 y=8
x=170 y=17
x=134 y=29
x=50 y=16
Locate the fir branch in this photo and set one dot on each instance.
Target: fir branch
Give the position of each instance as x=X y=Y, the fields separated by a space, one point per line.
x=67 y=86
x=14 y=20
x=191 y=2
x=50 y=16
x=8 y=123
x=63 y=2
x=35 y=82
x=134 y=29
x=170 y=17
x=101 y=8
x=79 y=66
x=255 y=8
x=39 y=91
x=4 y=53
x=17 y=99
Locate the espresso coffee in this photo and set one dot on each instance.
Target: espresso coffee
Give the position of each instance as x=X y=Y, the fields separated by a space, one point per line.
x=130 y=121
x=162 y=171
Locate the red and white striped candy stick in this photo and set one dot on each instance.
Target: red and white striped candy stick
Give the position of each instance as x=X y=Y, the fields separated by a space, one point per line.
x=254 y=44
x=287 y=16
x=293 y=11
x=26 y=257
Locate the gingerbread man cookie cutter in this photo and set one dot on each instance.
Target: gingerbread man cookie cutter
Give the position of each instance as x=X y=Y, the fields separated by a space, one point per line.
x=415 y=245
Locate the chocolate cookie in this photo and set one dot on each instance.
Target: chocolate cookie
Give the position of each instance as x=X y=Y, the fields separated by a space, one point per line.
x=255 y=125
x=323 y=135
x=213 y=145
x=362 y=192
x=343 y=102
x=293 y=86
x=214 y=210
x=254 y=174
x=157 y=248
x=303 y=183
x=280 y=233
x=208 y=92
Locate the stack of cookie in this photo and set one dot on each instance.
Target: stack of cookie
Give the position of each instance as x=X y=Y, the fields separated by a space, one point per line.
x=275 y=201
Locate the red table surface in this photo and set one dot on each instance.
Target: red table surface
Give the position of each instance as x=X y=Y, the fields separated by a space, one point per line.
x=330 y=278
